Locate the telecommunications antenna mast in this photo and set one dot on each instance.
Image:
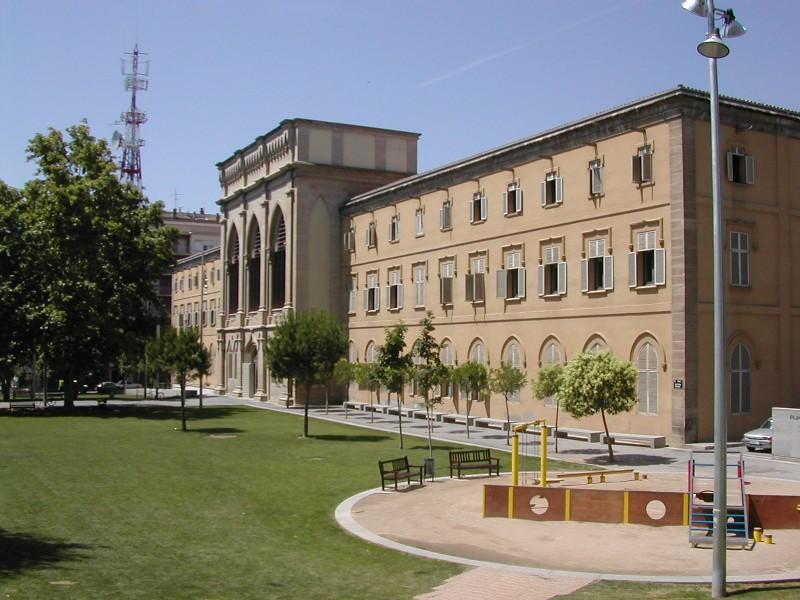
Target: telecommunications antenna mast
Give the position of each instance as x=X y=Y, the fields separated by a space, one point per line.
x=135 y=72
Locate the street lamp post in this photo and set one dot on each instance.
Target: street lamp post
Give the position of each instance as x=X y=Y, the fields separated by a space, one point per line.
x=713 y=48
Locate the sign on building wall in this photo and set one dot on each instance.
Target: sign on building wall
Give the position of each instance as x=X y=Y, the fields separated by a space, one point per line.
x=786 y=432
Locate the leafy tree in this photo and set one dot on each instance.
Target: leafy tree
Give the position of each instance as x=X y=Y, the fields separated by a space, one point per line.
x=16 y=287
x=94 y=246
x=344 y=373
x=182 y=353
x=473 y=378
x=598 y=382
x=549 y=385
x=428 y=371
x=304 y=348
x=393 y=366
x=507 y=380
x=367 y=376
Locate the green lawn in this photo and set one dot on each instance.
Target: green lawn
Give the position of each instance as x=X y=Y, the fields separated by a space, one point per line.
x=653 y=591
x=115 y=503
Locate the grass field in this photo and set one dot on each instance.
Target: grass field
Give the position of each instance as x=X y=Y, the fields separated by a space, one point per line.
x=115 y=503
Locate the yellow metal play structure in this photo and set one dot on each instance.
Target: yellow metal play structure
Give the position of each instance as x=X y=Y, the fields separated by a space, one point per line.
x=515 y=460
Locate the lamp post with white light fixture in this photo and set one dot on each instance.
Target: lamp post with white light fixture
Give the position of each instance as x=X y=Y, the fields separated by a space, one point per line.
x=713 y=48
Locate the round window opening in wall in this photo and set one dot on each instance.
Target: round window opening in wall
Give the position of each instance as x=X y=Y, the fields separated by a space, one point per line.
x=656 y=509
x=539 y=505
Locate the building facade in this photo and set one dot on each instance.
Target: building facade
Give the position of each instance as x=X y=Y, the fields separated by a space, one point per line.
x=281 y=199
x=197 y=302
x=595 y=235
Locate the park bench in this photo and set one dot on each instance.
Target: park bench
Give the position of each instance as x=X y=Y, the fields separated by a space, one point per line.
x=15 y=403
x=398 y=469
x=455 y=418
x=589 y=435
x=421 y=413
x=356 y=405
x=403 y=410
x=636 y=439
x=463 y=460
x=493 y=423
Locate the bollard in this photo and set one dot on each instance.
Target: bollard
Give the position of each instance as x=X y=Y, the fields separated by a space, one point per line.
x=768 y=538
x=757 y=532
x=588 y=479
x=602 y=478
x=636 y=475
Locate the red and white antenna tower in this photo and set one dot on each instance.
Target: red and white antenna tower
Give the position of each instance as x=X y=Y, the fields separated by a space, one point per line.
x=135 y=72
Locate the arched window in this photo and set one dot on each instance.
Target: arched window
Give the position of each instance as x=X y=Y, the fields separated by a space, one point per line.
x=233 y=271
x=447 y=358
x=740 y=369
x=596 y=344
x=512 y=355
x=551 y=355
x=278 y=262
x=477 y=353
x=647 y=381
x=254 y=268
x=352 y=353
x=371 y=353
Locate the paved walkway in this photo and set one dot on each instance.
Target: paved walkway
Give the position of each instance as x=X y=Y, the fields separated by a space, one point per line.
x=481 y=583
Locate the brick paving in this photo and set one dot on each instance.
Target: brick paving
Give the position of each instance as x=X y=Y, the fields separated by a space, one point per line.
x=482 y=583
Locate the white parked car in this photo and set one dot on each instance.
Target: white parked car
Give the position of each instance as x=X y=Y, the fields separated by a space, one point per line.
x=760 y=438
x=128 y=385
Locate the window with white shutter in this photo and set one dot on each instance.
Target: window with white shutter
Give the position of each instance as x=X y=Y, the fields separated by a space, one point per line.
x=447 y=358
x=740 y=259
x=419 y=285
x=394 y=291
x=446 y=215
x=477 y=208
x=597 y=270
x=647 y=380
x=476 y=280
x=419 y=222
x=394 y=229
x=741 y=167
x=511 y=278
x=552 y=189
x=372 y=296
x=350 y=240
x=352 y=284
x=647 y=263
x=372 y=238
x=446 y=278
x=596 y=177
x=552 y=272
x=642 y=166
x=512 y=200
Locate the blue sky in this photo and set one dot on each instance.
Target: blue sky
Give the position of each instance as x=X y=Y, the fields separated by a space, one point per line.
x=466 y=74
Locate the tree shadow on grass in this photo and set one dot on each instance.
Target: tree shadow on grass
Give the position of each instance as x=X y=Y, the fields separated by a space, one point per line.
x=351 y=438
x=149 y=412
x=435 y=447
x=22 y=551
x=213 y=430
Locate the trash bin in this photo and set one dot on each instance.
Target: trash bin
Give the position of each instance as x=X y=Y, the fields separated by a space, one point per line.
x=428 y=467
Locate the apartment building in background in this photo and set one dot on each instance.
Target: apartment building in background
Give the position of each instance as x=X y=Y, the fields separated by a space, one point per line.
x=595 y=235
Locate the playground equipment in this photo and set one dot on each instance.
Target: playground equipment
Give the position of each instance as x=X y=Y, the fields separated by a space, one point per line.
x=701 y=474
x=541 y=424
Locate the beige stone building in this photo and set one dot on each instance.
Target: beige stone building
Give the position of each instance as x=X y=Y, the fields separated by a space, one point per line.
x=281 y=199
x=595 y=235
x=197 y=302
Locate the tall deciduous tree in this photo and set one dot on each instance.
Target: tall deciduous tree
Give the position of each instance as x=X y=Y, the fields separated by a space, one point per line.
x=507 y=380
x=95 y=247
x=304 y=348
x=16 y=288
x=598 y=382
x=428 y=371
x=393 y=366
x=549 y=386
x=182 y=353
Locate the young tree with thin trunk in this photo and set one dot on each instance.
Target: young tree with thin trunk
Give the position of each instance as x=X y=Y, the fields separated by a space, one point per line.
x=428 y=371
x=507 y=380
x=393 y=365
x=472 y=378
x=598 y=382
x=549 y=386
x=183 y=354
x=304 y=348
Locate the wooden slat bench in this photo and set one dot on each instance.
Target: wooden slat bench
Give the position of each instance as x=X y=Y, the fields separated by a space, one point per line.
x=15 y=403
x=398 y=469
x=637 y=439
x=590 y=435
x=463 y=460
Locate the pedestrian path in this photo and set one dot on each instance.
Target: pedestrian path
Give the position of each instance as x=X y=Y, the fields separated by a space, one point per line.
x=482 y=583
